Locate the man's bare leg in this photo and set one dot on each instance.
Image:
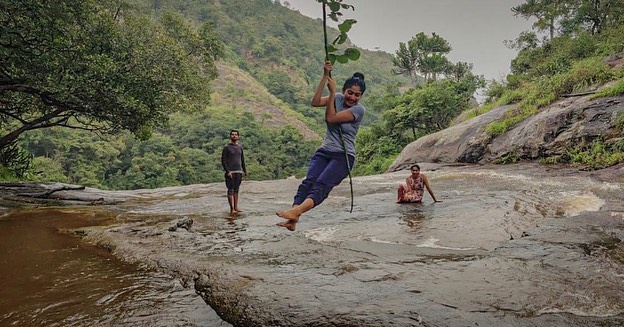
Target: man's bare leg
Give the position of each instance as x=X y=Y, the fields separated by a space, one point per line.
x=292 y=215
x=231 y=202
x=236 y=203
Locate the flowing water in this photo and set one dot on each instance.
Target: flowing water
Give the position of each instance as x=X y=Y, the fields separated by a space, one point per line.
x=50 y=278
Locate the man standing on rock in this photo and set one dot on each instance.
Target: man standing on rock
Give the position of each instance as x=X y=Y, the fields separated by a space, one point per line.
x=233 y=162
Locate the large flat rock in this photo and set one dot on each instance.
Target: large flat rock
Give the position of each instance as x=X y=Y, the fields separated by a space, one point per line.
x=518 y=245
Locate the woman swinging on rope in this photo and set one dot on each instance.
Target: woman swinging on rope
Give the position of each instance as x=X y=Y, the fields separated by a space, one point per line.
x=328 y=166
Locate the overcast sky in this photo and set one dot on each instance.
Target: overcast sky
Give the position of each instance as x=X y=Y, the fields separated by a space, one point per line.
x=475 y=29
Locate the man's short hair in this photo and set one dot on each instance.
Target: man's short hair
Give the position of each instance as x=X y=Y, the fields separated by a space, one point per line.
x=234 y=131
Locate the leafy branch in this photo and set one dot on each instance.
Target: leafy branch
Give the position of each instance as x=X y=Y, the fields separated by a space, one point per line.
x=331 y=50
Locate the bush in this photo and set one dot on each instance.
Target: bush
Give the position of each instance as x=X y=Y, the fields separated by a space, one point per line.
x=597 y=155
x=583 y=75
x=6 y=175
x=555 y=57
x=48 y=170
x=619 y=121
x=375 y=166
x=14 y=162
x=611 y=41
x=495 y=90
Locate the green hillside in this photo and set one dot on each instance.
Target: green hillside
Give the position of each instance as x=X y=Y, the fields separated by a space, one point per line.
x=268 y=64
x=281 y=48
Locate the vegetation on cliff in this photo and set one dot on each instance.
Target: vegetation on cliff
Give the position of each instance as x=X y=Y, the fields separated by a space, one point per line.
x=582 y=51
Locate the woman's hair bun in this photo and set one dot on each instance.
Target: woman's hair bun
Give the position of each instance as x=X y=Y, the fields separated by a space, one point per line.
x=356 y=79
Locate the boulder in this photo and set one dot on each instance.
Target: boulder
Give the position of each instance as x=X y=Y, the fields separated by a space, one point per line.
x=555 y=129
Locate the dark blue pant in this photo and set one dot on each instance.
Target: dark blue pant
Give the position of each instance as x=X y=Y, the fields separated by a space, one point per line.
x=326 y=170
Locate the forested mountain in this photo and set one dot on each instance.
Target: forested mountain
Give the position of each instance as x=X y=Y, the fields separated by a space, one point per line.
x=279 y=47
x=269 y=60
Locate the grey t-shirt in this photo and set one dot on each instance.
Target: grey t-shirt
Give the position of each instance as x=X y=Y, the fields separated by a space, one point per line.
x=332 y=142
x=233 y=159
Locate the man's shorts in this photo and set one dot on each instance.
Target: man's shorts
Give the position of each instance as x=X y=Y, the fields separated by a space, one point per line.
x=233 y=184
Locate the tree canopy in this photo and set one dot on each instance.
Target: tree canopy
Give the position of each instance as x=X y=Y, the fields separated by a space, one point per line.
x=421 y=110
x=565 y=17
x=422 y=54
x=98 y=66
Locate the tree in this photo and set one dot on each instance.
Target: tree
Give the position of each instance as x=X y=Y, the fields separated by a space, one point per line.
x=526 y=40
x=406 y=61
x=422 y=54
x=458 y=71
x=104 y=69
x=596 y=15
x=431 y=108
x=546 y=12
x=571 y=16
x=433 y=65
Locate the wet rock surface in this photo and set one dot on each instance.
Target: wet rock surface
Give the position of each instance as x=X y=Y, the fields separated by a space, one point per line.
x=518 y=245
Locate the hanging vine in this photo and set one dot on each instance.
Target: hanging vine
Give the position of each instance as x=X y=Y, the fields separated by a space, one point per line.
x=335 y=7
x=331 y=50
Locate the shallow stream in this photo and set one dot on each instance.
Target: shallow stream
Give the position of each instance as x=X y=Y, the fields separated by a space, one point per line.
x=51 y=278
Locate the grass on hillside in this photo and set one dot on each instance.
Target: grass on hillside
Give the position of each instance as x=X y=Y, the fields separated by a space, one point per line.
x=595 y=155
x=538 y=93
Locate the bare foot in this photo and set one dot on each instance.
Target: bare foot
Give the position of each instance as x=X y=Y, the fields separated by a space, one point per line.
x=289 y=224
x=233 y=213
x=291 y=215
x=238 y=210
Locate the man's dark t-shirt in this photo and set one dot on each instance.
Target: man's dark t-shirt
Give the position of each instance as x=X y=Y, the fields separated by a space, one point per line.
x=232 y=159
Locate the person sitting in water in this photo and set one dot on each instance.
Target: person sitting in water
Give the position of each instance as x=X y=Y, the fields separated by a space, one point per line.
x=414 y=188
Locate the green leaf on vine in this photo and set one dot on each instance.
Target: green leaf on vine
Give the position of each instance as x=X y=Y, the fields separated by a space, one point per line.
x=352 y=53
x=332 y=58
x=334 y=6
x=342 y=59
x=330 y=49
x=345 y=26
x=340 y=39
